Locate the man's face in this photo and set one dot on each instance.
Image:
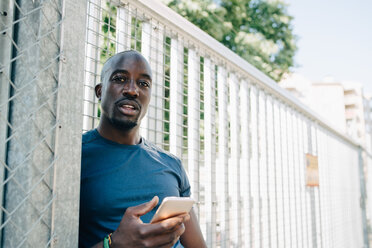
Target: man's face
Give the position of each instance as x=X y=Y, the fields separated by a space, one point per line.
x=126 y=90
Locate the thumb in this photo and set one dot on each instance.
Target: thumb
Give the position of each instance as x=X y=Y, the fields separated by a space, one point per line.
x=144 y=208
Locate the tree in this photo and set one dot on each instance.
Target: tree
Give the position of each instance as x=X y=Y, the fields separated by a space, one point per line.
x=259 y=31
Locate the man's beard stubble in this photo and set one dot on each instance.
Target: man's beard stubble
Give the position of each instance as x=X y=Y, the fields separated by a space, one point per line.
x=124 y=124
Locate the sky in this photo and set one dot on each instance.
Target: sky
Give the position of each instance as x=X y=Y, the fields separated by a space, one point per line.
x=334 y=39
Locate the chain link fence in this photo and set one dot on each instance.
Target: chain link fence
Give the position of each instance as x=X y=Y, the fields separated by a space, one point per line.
x=242 y=139
x=32 y=83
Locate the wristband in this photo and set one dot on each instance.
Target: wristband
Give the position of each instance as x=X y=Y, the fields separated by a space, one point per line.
x=107 y=241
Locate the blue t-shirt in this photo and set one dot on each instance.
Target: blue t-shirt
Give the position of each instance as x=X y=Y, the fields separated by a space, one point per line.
x=115 y=177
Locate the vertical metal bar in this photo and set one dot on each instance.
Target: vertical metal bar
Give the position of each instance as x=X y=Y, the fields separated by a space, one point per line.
x=66 y=186
x=254 y=171
x=268 y=172
x=259 y=164
x=275 y=168
x=258 y=160
x=368 y=179
x=6 y=37
x=300 y=177
x=323 y=172
x=337 y=200
x=291 y=157
x=174 y=97
x=288 y=184
x=329 y=192
x=210 y=189
x=283 y=162
x=316 y=133
x=234 y=179
x=316 y=191
x=203 y=167
x=244 y=163
x=304 y=138
x=271 y=171
x=214 y=68
x=222 y=156
x=193 y=124
x=262 y=168
x=363 y=197
x=278 y=173
x=311 y=192
x=145 y=50
x=157 y=106
x=329 y=196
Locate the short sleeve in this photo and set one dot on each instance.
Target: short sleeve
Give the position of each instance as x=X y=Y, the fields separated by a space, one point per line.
x=185 y=190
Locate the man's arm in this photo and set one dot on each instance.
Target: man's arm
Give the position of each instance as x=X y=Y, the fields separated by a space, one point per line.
x=192 y=237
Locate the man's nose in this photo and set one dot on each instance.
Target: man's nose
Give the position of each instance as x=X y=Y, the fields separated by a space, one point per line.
x=130 y=88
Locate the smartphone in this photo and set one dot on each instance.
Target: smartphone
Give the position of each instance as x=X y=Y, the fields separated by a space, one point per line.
x=172 y=206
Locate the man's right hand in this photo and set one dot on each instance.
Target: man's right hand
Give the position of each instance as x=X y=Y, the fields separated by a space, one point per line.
x=132 y=232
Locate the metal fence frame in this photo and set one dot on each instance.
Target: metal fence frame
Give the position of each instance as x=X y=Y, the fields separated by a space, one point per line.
x=240 y=136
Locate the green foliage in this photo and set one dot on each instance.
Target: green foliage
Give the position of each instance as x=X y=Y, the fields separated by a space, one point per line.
x=259 y=31
x=109 y=31
x=99 y=110
x=166 y=112
x=136 y=34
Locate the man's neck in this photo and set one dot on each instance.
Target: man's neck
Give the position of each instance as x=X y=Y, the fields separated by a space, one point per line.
x=121 y=136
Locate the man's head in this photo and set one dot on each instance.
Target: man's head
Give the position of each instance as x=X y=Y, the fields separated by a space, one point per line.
x=125 y=89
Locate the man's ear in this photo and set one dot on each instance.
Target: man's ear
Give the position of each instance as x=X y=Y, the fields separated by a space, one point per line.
x=98 y=90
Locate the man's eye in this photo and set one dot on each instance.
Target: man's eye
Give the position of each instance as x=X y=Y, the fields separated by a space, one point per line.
x=119 y=79
x=144 y=83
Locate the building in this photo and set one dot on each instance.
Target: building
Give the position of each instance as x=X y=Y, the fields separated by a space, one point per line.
x=354 y=111
x=325 y=98
x=341 y=104
x=367 y=102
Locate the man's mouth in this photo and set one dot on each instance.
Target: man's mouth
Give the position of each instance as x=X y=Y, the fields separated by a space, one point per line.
x=128 y=108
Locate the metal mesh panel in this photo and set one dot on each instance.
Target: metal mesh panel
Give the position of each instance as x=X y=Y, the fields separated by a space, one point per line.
x=33 y=61
x=241 y=138
x=29 y=85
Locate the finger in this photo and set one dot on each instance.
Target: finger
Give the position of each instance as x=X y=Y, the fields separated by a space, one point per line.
x=165 y=226
x=167 y=239
x=144 y=208
x=186 y=217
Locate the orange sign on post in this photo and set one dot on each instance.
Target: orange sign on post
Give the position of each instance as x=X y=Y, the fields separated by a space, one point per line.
x=312 y=171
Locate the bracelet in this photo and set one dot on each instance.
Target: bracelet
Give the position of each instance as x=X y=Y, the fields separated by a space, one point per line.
x=107 y=241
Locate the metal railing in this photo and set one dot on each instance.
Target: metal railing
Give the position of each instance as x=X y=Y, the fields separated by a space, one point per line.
x=241 y=138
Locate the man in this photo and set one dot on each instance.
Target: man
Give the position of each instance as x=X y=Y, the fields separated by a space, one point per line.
x=123 y=176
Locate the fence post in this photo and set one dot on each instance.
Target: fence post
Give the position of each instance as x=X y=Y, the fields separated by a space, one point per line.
x=68 y=141
x=363 y=197
x=6 y=19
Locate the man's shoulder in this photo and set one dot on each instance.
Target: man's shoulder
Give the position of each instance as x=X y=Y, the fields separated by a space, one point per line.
x=151 y=147
x=89 y=136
